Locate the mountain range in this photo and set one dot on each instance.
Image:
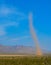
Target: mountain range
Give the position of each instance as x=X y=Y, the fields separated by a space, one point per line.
x=18 y=49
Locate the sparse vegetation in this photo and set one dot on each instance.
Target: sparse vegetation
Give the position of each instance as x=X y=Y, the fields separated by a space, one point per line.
x=46 y=60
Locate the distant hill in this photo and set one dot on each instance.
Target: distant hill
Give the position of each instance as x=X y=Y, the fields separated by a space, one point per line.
x=19 y=50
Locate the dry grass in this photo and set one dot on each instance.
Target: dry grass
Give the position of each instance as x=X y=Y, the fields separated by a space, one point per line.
x=25 y=60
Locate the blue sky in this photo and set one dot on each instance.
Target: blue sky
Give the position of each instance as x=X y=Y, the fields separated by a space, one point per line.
x=14 y=23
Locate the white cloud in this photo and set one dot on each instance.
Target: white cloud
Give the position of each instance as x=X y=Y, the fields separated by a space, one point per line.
x=2 y=31
x=20 y=38
x=10 y=24
x=3 y=26
x=5 y=11
x=16 y=40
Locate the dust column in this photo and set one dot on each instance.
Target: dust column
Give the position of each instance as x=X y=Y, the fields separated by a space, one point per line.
x=32 y=31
